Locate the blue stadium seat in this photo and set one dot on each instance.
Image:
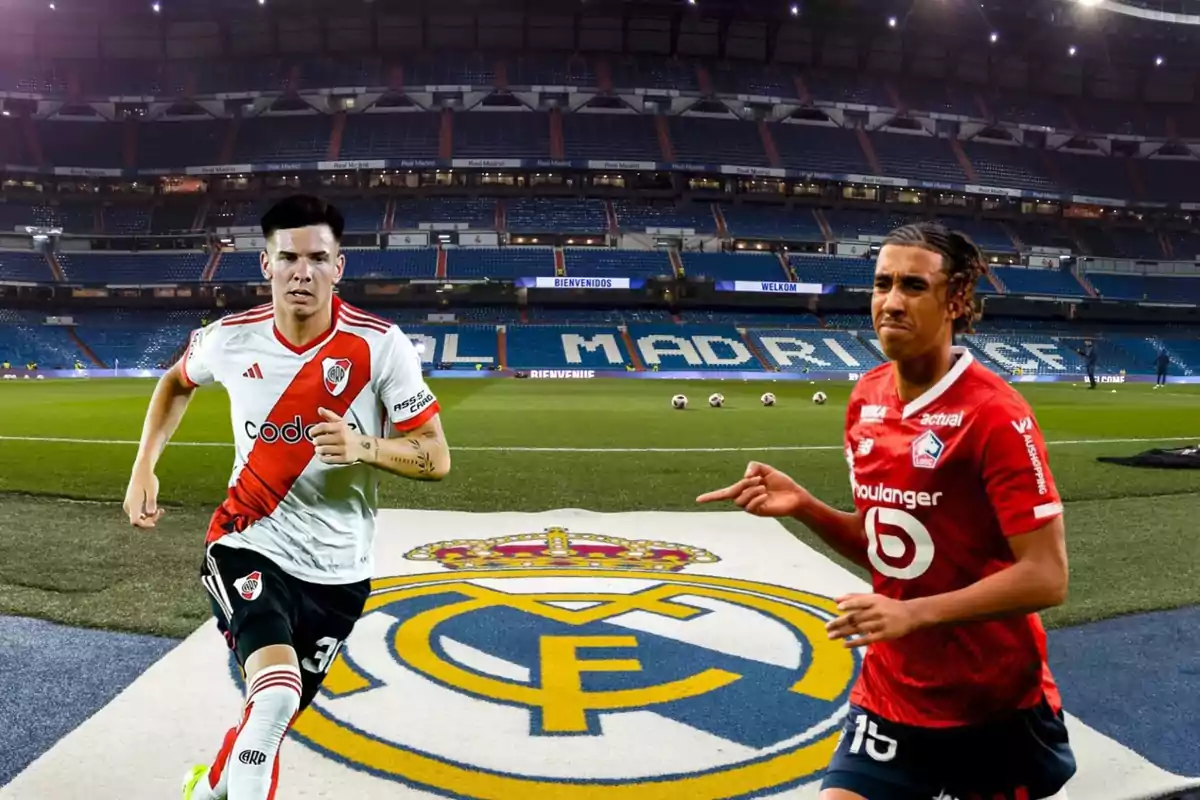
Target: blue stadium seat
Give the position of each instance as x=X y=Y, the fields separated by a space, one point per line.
x=478 y=213
x=588 y=262
x=237 y=267
x=82 y=144
x=854 y=223
x=772 y=222
x=136 y=339
x=458 y=346
x=24 y=266
x=501 y=134
x=555 y=215
x=1030 y=353
x=1153 y=288
x=543 y=69
x=181 y=144
x=734 y=266
x=274 y=139
x=132 y=268
x=27 y=338
x=807 y=351
x=717 y=141
x=692 y=347
x=634 y=216
x=399 y=263
x=575 y=346
x=1008 y=166
x=610 y=137
x=631 y=72
x=833 y=270
x=815 y=148
x=1020 y=280
x=500 y=262
x=390 y=135
x=126 y=220
x=921 y=157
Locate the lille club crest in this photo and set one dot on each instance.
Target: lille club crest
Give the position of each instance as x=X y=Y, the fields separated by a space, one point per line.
x=926 y=450
x=337 y=374
x=249 y=587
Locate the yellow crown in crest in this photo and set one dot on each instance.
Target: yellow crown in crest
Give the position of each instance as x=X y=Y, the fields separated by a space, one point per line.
x=558 y=547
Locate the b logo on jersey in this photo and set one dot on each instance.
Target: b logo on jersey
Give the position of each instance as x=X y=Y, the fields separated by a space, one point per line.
x=337 y=374
x=926 y=450
x=249 y=587
x=523 y=649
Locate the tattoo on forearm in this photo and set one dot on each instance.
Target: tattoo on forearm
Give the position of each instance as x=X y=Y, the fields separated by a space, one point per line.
x=419 y=461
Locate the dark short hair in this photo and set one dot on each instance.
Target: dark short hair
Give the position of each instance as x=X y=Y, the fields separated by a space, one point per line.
x=301 y=210
x=961 y=258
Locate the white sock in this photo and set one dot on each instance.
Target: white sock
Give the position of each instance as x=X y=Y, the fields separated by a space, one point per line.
x=271 y=702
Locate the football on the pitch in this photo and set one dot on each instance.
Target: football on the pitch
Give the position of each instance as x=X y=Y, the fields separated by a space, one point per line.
x=819 y=398
x=679 y=402
x=716 y=400
x=768 y=399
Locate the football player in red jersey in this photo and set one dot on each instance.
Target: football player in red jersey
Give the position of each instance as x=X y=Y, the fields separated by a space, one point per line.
x=960 y=524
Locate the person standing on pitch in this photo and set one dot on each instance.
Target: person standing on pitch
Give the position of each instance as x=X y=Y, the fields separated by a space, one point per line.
x=324 y=398
x=1162 y=363
x=959 y=522
x=1089 y=359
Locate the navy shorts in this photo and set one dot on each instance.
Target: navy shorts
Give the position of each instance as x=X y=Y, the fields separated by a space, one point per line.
x=1023 y=757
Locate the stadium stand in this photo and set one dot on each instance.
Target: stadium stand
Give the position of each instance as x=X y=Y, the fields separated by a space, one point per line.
x=585 y=262
x=610 y=137
x=410 y=213
x=638 y=216
x=558 y=215
x=28 y=267
x=382 y=135
x=734 y=266
x=132 y=268
x=772 y=222
x=575 y=346
x=502 y=134
x=500 y=263
x=716 y=141
x=835 y=270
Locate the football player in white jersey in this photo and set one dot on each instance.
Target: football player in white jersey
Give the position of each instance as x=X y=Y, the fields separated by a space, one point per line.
x=324 y=398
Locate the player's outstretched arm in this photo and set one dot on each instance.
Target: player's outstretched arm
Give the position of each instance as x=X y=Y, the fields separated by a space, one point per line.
x=167 y=406
x=766 y=492
x=420 y=454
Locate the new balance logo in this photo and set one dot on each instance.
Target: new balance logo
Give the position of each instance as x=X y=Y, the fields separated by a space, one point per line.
x=254 y=372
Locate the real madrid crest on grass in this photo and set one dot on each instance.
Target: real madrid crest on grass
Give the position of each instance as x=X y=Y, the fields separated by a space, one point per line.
x=337 y=373
x=545 y=665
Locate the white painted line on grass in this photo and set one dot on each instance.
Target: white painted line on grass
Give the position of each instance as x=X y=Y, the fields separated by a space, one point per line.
x=456 y=449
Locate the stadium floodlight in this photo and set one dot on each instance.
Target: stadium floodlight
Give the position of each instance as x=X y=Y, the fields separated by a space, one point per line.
x=995 y=37
x=795 y=10
x=52 y=7
x=262 y=2
x=1089 y=3
x=1071 y=50
x=1158 y=61
x=156 y=7
x=891 y=22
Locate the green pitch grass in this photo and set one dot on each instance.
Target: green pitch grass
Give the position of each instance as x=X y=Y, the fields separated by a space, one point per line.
x=67 y=554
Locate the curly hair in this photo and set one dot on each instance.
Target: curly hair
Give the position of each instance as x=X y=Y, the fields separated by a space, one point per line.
x=961 y=259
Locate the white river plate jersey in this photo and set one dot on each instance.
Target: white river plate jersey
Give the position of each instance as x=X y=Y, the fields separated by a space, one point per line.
x=315 y=520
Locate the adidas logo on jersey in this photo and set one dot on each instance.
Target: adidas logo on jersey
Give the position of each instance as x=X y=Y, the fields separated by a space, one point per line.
x=255 y=372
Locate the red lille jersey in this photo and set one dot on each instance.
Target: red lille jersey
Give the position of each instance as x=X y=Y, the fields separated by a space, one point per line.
x=940 y=483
